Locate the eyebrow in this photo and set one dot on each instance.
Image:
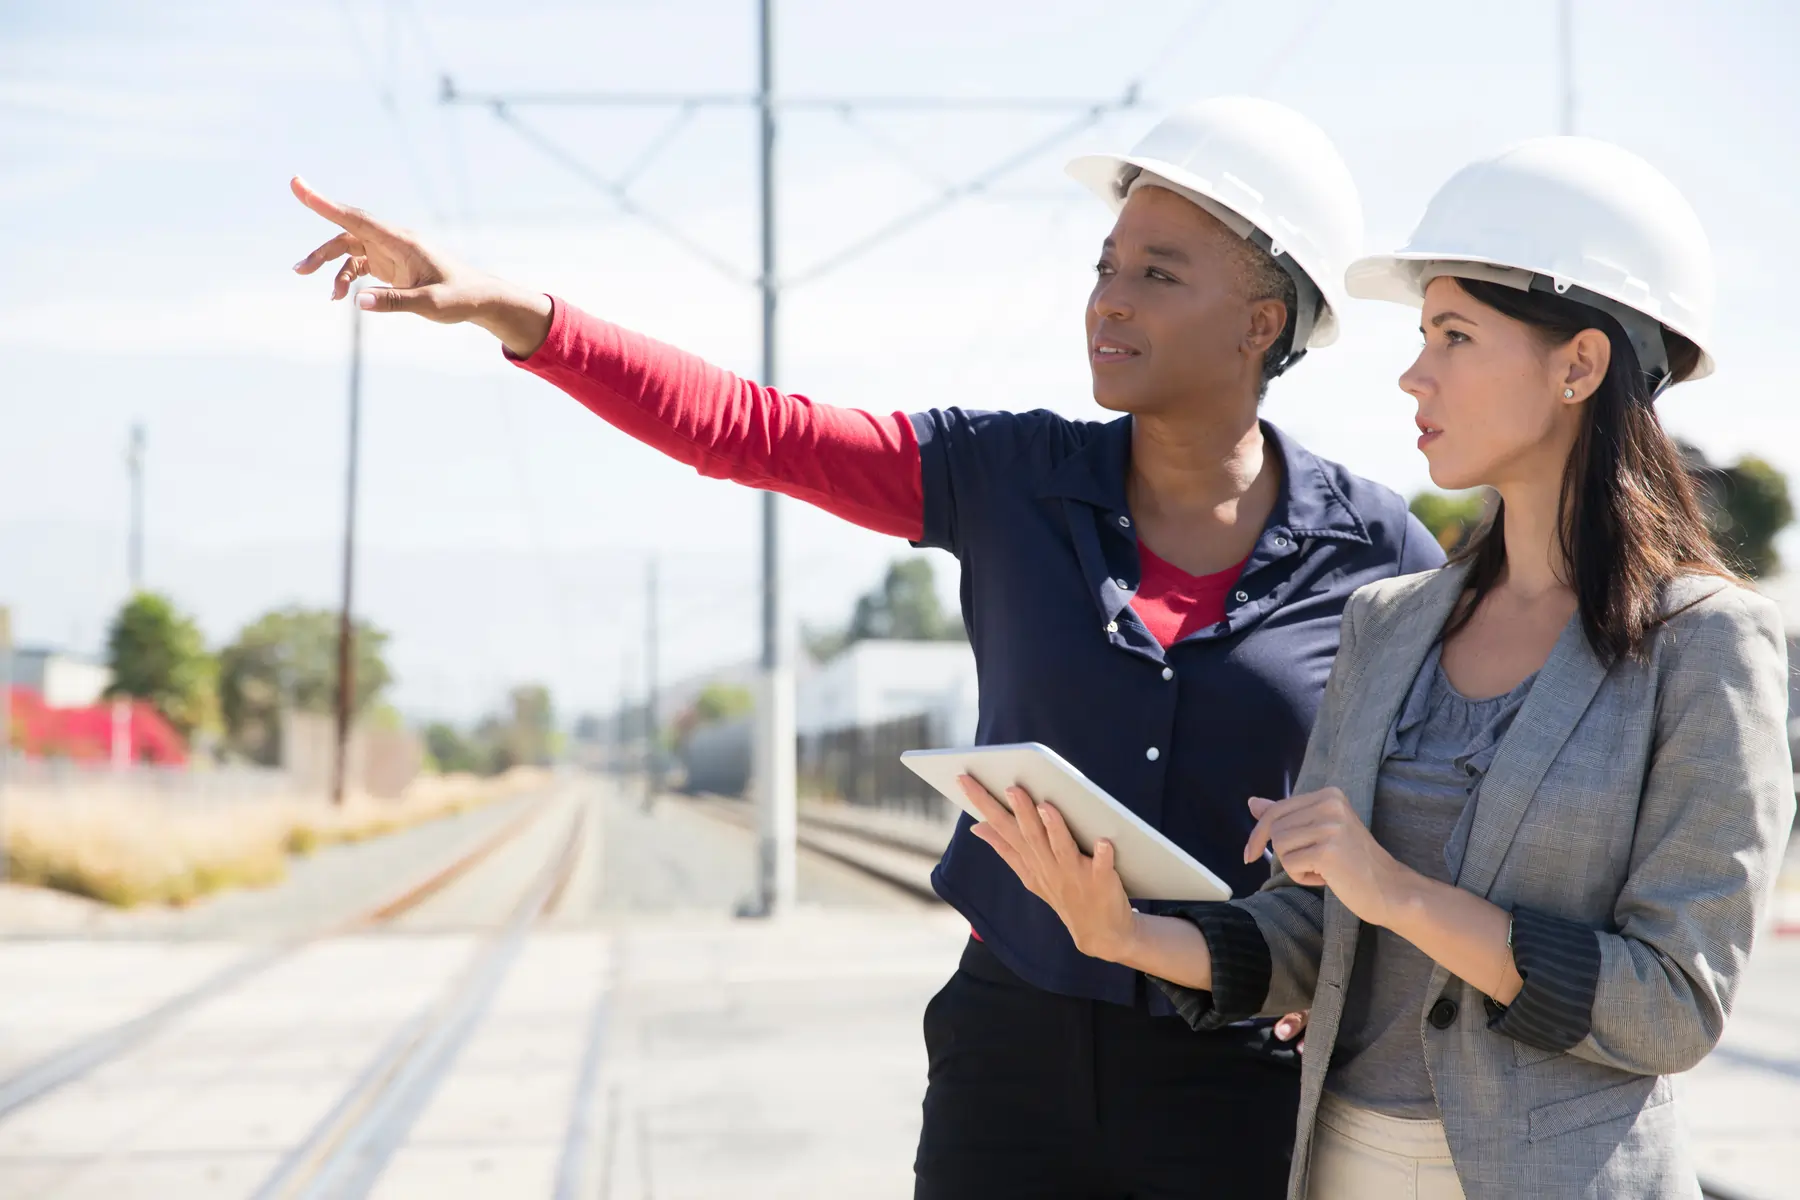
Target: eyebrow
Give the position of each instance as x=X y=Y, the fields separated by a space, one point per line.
x=1171 y=253
x=1450 y=316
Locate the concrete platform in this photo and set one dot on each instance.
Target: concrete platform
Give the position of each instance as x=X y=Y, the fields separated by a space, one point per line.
x=642 y=1044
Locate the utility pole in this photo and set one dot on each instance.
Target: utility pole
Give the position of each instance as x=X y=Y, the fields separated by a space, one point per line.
x=652 y=720
x=346 y=694
x=1565 y=21
x=622 y=727
x=774 y=741
x=134 y=462
x=774 y=744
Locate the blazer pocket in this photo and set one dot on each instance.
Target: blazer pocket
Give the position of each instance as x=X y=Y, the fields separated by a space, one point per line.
x=1608 y=1104
x=1526 y=1055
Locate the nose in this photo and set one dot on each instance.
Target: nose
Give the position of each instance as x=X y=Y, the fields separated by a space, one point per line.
x=1109 y=301
x=1416 y=381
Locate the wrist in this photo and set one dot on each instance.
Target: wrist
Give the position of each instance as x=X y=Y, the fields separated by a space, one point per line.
x=1121 y=946
x=519 y=318
x=1403 y=896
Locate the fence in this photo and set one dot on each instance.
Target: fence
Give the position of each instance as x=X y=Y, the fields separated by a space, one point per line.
x=861 y=765
x=70 y=779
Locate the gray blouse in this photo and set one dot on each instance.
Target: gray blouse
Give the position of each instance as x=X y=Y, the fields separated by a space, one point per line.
x=1438 y=750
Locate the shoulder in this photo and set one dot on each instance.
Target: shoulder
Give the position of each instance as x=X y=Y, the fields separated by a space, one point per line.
x=994 y=434
x=1706 y=616
x=1376 y=603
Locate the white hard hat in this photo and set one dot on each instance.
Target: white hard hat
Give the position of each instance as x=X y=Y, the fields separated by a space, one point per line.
x=1267 y=173
x=1581 y=217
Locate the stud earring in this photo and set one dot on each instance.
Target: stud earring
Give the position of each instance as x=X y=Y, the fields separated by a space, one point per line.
x=1568 y=393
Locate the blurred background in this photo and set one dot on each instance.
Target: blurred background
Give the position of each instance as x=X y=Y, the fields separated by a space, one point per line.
x=476 y=973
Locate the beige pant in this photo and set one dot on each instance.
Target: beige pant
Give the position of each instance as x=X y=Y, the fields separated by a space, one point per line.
x=1362 y=1155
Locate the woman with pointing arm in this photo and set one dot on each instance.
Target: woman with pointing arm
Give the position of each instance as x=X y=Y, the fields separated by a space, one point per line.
x=1156 y=596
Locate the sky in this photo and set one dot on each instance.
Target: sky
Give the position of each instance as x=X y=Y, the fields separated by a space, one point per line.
x=505 y=534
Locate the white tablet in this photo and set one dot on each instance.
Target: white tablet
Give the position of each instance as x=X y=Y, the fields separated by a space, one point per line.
x=1151 y=866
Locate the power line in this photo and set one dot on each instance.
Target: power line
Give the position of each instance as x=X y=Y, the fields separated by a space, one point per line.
x=776 y=783
x=560 y=155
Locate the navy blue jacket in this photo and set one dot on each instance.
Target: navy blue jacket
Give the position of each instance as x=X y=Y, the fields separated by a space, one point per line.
x=1034 y=507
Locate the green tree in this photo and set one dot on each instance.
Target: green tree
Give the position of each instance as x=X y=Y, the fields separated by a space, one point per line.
x=1756 y=508
x=1452 y=519
x=288 y=659
x=904 y=606
x=157 y=654
x=721 y=702
x=451 y=751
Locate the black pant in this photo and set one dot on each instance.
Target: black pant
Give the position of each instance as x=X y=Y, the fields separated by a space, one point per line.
x=1040 y=1096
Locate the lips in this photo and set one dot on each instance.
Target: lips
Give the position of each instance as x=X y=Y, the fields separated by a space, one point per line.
x=1106 y=350
x=1428 y=432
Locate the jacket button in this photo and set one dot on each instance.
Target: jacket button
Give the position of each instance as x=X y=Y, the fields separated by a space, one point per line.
x=1443 y=1013
x=1153 y=754
x=1241 y=596
x=1168 y=672
x=1112 y=627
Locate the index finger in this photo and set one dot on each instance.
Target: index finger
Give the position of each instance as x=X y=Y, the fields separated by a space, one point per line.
x=1259 y=837
x=355 y=220
x=993 y=813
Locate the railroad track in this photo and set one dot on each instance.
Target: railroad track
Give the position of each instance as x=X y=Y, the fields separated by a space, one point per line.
x=899 y=861
x=349 y=1148
x=70 y=1063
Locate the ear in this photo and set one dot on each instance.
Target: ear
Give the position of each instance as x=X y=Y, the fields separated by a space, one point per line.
x=1267 y=319
x=1583 y=363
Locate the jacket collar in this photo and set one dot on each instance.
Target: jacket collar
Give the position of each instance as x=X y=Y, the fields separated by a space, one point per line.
x=1311 y=505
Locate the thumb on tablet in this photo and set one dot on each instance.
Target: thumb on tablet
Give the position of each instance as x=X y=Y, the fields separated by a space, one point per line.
x=1103 y=855
x=1259 y=806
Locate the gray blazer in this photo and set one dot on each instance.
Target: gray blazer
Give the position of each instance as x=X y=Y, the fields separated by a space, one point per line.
x=1649 y=802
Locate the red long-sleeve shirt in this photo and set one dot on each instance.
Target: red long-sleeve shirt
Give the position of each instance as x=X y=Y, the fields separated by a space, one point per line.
x=856 y=465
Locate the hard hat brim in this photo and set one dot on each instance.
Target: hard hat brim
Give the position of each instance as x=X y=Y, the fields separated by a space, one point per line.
x=1394 y=278
x=1101 y=173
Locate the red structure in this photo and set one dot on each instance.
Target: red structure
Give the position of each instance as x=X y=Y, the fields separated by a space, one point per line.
x=86 y=734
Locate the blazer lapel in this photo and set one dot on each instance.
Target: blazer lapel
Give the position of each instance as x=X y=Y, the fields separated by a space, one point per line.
x=1564 y=689
x=1391 y=646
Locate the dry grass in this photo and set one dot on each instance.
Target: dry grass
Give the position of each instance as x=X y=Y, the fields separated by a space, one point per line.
x=132 y=850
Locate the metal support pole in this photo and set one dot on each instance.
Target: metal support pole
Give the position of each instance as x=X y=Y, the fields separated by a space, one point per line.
x=1565 y=15
x=134 y=459
x=652 y=718
x=346 y=628
x=775 y=740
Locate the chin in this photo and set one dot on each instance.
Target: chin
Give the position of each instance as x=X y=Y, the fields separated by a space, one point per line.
x=1116 y=402
x=1446 y=477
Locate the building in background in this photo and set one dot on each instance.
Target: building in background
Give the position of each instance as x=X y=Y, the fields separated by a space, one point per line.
x=877 y=681
x=60 y=679
x=128 y=731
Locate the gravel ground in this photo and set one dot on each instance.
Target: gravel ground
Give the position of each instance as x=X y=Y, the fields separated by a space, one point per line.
x=677 y=858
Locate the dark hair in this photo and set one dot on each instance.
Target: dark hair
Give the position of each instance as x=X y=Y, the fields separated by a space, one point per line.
x=1629 y=518
x=1267 y=279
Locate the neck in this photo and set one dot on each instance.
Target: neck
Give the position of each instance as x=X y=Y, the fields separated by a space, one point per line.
x=1535 y=566
x=1195 y=461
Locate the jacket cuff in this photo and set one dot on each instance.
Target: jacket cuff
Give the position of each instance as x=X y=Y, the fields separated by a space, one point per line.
x=1240 y=967
x=1559 y=960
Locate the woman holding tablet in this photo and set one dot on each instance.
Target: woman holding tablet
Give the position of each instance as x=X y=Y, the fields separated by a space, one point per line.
x=1547 y=795
x=1157 y=597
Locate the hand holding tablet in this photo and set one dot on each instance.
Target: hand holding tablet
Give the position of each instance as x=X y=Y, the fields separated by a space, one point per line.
x=1150 y=865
